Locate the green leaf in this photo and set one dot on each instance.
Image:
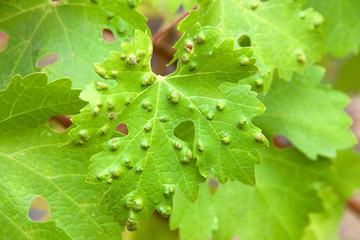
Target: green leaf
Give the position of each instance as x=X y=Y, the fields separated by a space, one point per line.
x=151 y=163
x=195 y=221
x=156 y=228
x=325 y=225
x=310 y=114
x=280 y=203
x=72 y=29
x=341 y=25
x=347 y=167
x=33 y=164
x=174 y=5
x=30 y=101
x=283 y=36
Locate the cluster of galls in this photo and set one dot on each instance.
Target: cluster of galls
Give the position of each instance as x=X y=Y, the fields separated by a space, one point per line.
x=189 y=50
x=135 y=205
x=132 y=223
x=105 y=75
x=83 y=137
x=134 y=58
x=317 y=22
x=116 y=172
x=131 y=59
x=109 y=105
x=300 y=57
x=259 y=82
x=187 y=153
x=175 y=97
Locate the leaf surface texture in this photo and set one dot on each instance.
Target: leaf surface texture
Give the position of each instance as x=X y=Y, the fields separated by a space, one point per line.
x=147 y=166
x=71 y=29
x=277 y=208
x=34 y=164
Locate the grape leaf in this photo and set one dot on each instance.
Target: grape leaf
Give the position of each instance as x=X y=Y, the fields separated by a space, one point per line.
x=310 y=114
x=33 y=164
x=348 y=79
x=149 y=164
x=174 y=5
x=325 y=225
x=347 y=167
x=72 y=29
x=283 y=36
x=341 y=25
x=203 y=217
x=156 y=228
x=277 y=208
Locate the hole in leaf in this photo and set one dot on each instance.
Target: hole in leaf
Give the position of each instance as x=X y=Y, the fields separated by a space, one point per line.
x=4 y=39
x=108 y=35
x=213 y=185
x=122 y=128
x=185 y=131
x=281 y=141
x=59 y=123
x=39 y=210
x=46 y=60
x=244 y=41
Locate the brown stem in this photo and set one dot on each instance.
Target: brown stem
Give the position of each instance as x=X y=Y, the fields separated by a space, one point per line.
x=354 y=206
x=161 y=33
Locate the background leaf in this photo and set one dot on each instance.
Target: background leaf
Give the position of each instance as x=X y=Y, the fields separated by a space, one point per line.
x=270 y=26
x=174 y=5
x=33 y=164
x=348 y=79
x=335 y=195
x=341 y=25
x=277 y=208
x=72 y=29
x=310 y=114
